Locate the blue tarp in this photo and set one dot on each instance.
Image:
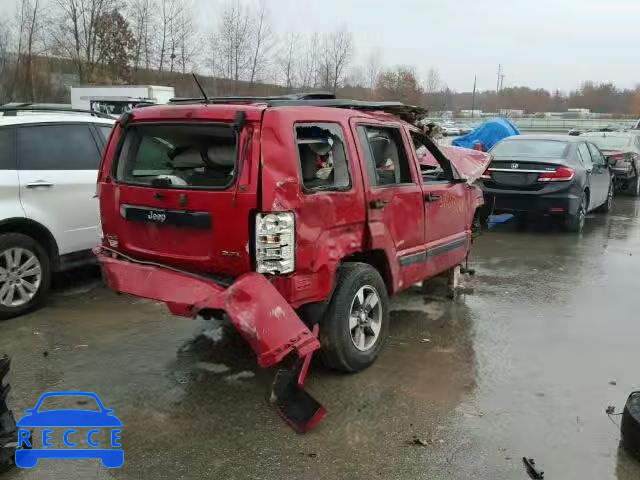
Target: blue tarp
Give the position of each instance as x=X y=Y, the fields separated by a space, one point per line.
x=488 y=134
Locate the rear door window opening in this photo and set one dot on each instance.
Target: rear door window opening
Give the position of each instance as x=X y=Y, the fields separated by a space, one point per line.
x=323 y=158
x=178 y=156
x=388 y=163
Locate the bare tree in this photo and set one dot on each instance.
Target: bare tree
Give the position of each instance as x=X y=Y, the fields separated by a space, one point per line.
x=185 y=32
x=234 y=42
x=143 y=14
x=309 y=65
x=287 y=61
x=338 y=48
x=5 y=60
x=261 y=39
x=167 y=14
x=433 y=82
x=29 y=28
x=373 y=67
x=74 y=32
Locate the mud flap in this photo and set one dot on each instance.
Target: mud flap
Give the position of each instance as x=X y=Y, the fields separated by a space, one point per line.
x=299 y=409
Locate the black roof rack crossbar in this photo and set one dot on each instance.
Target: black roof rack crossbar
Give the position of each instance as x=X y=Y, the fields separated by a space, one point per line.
x=27 y=107
x=250 y=99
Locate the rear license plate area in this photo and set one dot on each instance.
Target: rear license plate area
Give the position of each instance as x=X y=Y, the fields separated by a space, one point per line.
x=515 y=179
x=174 y=218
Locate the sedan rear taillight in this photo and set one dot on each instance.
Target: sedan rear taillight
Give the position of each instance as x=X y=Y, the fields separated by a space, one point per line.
x=487 y=174
x=560 y=174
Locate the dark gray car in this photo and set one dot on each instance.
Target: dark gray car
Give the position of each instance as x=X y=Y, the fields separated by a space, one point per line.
x=548 y=175
x=623 y=148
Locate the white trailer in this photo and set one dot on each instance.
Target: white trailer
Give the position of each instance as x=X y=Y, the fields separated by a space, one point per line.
x=116 y=100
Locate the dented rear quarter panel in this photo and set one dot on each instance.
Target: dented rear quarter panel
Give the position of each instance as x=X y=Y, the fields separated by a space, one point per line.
x=330 y=225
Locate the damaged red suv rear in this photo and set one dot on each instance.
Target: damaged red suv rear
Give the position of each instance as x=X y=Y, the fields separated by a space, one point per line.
x=294 y=217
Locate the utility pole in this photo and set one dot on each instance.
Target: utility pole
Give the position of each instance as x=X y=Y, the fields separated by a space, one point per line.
x=499 y=77
x=501 y=81
x=473 y=98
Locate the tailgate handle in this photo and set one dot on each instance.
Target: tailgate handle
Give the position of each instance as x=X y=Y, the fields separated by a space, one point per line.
x=378 y=204
x=39 y=183
x=432 y=197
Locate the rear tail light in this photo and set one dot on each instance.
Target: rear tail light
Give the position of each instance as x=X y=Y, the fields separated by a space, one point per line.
x=560 y=174
x=487 y=174
x=275 y=240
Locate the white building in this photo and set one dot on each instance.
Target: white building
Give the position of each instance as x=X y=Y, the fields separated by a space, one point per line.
x=470 y=113
x=511 y=113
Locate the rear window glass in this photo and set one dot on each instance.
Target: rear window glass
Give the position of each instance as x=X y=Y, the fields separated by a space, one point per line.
x=610 y=142
x=178 y=156
x=530 y=148
x=323 y=158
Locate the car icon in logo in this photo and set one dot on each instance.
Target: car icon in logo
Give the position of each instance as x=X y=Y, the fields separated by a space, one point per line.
x=65 y=422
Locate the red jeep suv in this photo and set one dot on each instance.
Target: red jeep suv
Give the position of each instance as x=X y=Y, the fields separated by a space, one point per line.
x=297 y=218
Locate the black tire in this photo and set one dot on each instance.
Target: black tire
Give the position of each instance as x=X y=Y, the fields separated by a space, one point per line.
x=338 y=348
x=634 y=186
x=18 y=240
x=575 y=223
x=606 y=206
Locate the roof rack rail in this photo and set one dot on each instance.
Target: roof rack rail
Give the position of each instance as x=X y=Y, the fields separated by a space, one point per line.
x=409 y=113
x=250 y=99
x=12 y=110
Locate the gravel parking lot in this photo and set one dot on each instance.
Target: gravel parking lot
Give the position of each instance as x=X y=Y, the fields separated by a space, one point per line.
x=523 y=366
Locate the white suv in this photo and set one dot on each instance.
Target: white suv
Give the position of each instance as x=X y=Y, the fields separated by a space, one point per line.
x=48 y=207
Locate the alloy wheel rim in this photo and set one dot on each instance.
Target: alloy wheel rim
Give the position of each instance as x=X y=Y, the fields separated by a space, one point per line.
x=365 y=318
x=20 y=276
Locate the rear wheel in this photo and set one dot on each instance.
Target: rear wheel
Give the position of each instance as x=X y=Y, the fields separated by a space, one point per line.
x=354 y=329
x=634 y=186
x=608 y=203
x=24 y=274
x=575 y=223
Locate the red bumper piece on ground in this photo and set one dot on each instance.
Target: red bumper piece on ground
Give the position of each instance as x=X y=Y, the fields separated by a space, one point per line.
x=257 y=310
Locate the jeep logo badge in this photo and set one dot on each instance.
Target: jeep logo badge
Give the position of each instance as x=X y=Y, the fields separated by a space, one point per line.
x=158 y=217
x=514 y=166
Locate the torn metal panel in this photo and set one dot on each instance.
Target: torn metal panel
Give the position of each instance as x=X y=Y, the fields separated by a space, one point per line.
x=470 y=164
x=256 y=309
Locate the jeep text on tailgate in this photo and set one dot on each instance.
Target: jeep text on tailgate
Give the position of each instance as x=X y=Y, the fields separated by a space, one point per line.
x=296 y=217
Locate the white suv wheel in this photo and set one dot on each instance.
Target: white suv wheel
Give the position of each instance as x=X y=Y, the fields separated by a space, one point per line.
x=20 y=276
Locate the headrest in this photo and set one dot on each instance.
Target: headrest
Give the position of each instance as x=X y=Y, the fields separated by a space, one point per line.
x=222 y=155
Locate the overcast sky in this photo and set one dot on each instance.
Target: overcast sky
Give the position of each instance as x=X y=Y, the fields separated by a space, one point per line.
x=540 y=43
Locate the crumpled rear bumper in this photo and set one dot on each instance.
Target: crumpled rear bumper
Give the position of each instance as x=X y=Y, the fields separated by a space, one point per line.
x=256 y=309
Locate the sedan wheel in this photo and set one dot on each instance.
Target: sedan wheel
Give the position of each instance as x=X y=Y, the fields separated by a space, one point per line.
x=634 y=186
x=575 y=223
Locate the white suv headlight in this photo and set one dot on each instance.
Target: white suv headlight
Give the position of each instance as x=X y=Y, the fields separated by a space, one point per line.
x=275 y=241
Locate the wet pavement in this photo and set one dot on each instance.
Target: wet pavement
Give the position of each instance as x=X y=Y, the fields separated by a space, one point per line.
x=523 y=366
